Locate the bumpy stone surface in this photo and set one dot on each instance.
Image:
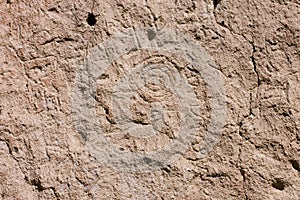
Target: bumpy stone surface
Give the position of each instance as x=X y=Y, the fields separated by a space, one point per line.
x=149 y=102
x=44 y=154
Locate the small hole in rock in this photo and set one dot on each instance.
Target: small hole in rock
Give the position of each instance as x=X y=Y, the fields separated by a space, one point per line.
x=285 y=114
x=16 y=149
x=91 y=19
x=295 y=165
x=104 y=76
x=216 y=2
x=37 y=183
x=278 y=184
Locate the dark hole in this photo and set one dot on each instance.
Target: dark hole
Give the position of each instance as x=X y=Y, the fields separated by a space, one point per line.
x=295 y=165
x=278 y=184
x=91 y=20
x=122 y=149
x=216 y=2
x=167 y=169
x=53 y=10
x=37 y=183
x=16 y=149
x=104 y=76
x=285 y=114
x=242 y=171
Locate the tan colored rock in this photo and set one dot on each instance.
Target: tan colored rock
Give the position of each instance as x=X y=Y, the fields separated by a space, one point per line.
x=45 y=153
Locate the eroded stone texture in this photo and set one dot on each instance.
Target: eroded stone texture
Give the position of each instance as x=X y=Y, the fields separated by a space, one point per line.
x=255 y=45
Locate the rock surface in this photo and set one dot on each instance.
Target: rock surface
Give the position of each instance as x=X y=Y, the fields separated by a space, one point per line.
x=255 y=46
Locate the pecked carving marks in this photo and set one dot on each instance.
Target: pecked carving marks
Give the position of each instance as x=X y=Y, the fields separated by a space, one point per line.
x=156 y=93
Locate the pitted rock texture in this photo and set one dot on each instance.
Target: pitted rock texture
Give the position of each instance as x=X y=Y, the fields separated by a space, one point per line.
x=152 y=106
x=168 y=94
x=255 y=45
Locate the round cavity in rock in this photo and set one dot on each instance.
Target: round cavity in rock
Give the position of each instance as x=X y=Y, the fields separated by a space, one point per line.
x=91 y=19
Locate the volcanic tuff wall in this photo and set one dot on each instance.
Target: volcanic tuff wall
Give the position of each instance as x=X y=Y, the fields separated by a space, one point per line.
x=70 y=76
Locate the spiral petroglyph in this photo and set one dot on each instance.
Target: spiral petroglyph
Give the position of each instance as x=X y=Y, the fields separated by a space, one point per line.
x=144 y=97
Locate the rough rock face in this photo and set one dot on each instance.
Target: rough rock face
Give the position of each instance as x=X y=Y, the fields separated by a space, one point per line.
x=57 y=99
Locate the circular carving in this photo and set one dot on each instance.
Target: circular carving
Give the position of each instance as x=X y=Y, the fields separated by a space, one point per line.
x=144 y=96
